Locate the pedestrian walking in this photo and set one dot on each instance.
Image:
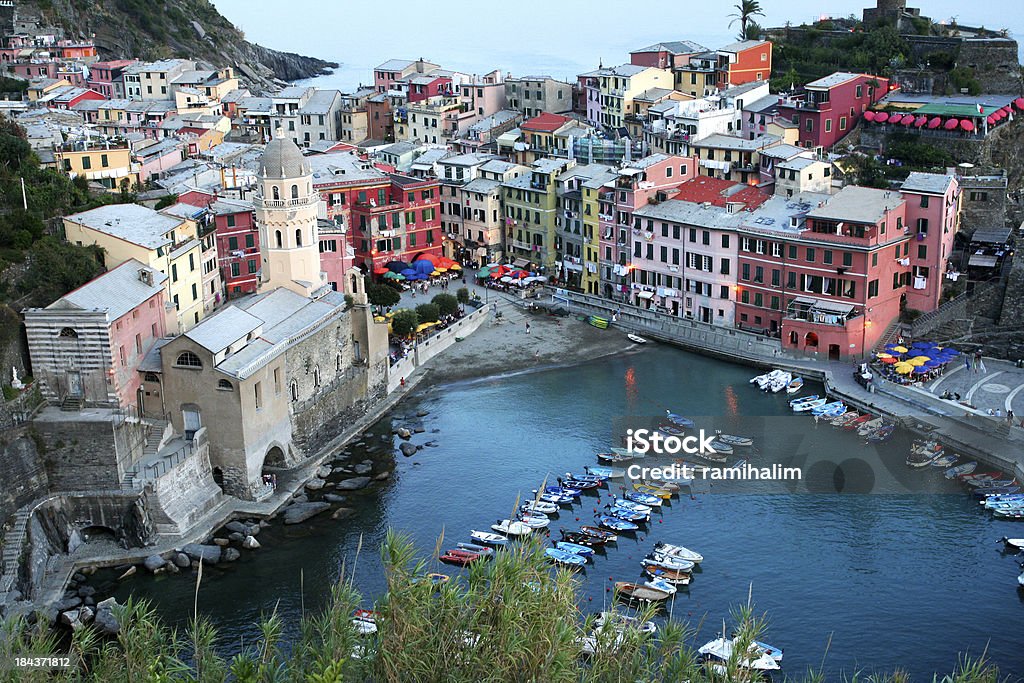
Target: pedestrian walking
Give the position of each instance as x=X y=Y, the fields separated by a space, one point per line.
x=1009 y=416
x=527 y=328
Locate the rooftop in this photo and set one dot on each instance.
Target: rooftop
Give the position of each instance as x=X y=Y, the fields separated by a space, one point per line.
x=402 y=148
x=320 y=102
x=653 y=94
x=130 y=222
x=545 y=122
x=676 y=47
x=720 y=192
x=342 y=167
x=719 y=141
x=482 y=185
x=742 y=45
x=776 y=214
x=117 y=291
x=831 y=81
x=395 y=65
x=858 y=205
x=798 y=163
x=220 y=331
x=927 y=183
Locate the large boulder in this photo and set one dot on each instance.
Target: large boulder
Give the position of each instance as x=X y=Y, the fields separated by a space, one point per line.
x=68 y=603
x=300 y=512
x=353 y=484
x=250 y=543
x=237 y=527
x=323 y=471
x=105 y=621
x=334 y=498
x=181 y=561
x=382 y=476
x=208 y=554
x=403 y=433
x=363 y=468
x=315 y=484
x=231 y=554
x=153 y=563
x=407 y=449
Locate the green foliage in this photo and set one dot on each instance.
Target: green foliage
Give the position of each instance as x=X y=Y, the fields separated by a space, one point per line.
x=404 y=323
x=13 y=85
x=912 y=152
x=446 y=304
x=428 y=313
x=462 y=295
x=57 y=268
x=166 y=200
x=812 y=54
x=382 y=295
x=961 y=77
x=745 y=12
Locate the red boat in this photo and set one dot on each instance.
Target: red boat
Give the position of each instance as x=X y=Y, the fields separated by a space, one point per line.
x=853 y=424
x=460 y=557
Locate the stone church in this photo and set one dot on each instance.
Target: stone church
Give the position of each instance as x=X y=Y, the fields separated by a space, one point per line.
x=276 y=376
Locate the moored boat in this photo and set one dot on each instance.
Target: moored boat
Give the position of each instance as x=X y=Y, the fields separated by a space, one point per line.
x=674 y=576
x=803 y=399
x=616 y=524
x=630 y=505
x=652 y=490
x=806 y=406
x=460 y=557
x=734 y=441
x=679 y=420
x=661 y=585
x=648 y=499
x=677 y=563
x=364 y=621
x=795 y=385
x=511 y=527
x=623 y=622
x=476 y=548
x=966 y=468
x=1015 y=543
x=575 y=548
x=541 y=506
x=598 y=532
x=582 y=538
x=636 y=339
x=628 y=515
x=488 y=538
x=608 y=472
x=636 y=591
x=565 y=558
x=678 y=551
x=720 y=651
x=534 y=520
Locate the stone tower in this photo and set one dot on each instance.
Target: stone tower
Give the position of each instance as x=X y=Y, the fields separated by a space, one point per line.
x=286 y=214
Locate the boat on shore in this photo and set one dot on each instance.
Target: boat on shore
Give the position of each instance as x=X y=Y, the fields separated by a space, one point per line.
x=636 y=339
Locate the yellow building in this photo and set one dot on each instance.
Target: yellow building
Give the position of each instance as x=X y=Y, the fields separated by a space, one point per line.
x=531 y=204
x=165 y=243
x=617 y=87
x=112 y=168
x=42 y=86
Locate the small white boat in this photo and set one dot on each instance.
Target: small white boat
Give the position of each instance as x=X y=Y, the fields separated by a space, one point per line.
x=779 y=383
x=763 y=380
x=541 y=506
x=661 y=585
x=733 y=440
x=487 y=537
x=720 y=650
x=1015 y=543
x=678 y=551
x=809 y=405
x=795 y=385
x=636 y=339
x=623 y=622
x=511 y=528
x=668 y=561
x=534 y=520
x=1020 y=580
x=365 y=622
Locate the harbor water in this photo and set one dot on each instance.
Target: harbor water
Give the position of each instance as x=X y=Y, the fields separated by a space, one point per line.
x=881 y=566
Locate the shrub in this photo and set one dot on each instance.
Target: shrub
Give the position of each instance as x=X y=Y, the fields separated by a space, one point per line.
x=404 y=323
x=462 y=295
x=446 y=304
x=428 y=313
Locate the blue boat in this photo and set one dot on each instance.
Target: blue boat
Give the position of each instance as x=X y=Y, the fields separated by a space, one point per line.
x=575 y=548
x=642 y=498
x=679 y=420
x=556 y=498
x=565 y=557
x=982 y=493
x=615 y=524
x=629 y=515
x=883 y=433
x=669 y=430
x=563 y=491
x=607 y=472
x=829 y=409
x=590 y=477
x=770 y=650
x=801 y=399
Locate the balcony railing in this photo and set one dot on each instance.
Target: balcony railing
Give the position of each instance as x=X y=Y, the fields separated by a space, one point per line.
x=265 y=203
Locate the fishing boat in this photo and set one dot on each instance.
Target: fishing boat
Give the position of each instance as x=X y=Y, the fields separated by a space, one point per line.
x=982 y=493
x=636 y=591
x=989 y=483
x=734 y=441
x=762 y=381
x=844 y=419
x=673 y=576
x=945 y=460
x=795 y=385
x=596 y=478
x=672 y=486
x=616 y=524
x=598 y=532
x=670 y=430
x=883 y=433
x=628 y=515
x=606 y=472
x=460 y=557
x=511 y=527
x=636 y=339
x=623 y=622
x=1005 y=498
x=575 y=548
x=541 y=506
x=598 y=322
x=677 y=563
x=613 y=457
x=921 y=458
x=720 y=447
x=582 y=538
x=966 y=468
x=647 y=499
x=809 y=405
x=1008 y=514
x=656 y=491
x=779 y=383
x=661 y=585
x=870 y=426
x=626 y=451
x=556 y=498
x=577 y=485
x=679 y=420
x=534 y=520
x=476 y=548
x=1004 y=506
x=1015 y=543
x=803 y=399
x=833 y=408
x=856 y=422
x=365 y=622
x=720 y=651
x=631 y=505
x=563 y=491
x=565 y=558
x=488 y=538
x=678 y=551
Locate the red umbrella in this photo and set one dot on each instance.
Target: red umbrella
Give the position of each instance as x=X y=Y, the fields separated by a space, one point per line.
x=935 y=123
x=881 y=117
x=920 y=120
x=951 y=124
x=991 y=119
x=967 y=125
x=1020 y=103
x=1007 y=110
x=380 y=270
x=907 y=119
x=869 y=116
x=428 y=257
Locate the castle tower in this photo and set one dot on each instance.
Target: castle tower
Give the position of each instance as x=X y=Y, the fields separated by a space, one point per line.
x=286 y=214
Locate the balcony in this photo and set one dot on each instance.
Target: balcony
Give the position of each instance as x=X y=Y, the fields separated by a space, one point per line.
x=264 y=203
x=821 y=312
x=374 y=207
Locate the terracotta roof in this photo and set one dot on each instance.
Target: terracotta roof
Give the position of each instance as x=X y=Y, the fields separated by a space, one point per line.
x=545 y=122
x=720 y=192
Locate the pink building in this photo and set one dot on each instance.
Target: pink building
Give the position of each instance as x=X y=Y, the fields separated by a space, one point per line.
x=157 y=156
x=238 y=240
x=32 y=70
x=830 y=107
x=933 y=219
x=425 y=86
x=88 y=345
x=103 y=74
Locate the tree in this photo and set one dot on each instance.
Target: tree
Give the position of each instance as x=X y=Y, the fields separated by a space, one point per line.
x=57 y=268
x=754 y=31
x=746 y=10
x=404 y=323
x=463 y=295
x=382 y=295
x=428 y=313
x=446 y=304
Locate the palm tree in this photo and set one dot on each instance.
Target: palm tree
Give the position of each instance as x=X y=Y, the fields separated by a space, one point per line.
x=745 y=11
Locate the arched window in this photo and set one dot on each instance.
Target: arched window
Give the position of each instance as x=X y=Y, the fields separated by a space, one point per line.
x=294 y=389
x=68 y=333
x=151 y=377
x=276 y=192
x=316 y=375
x=298 y=237
x=225 y=385
x=187 y=359
x=295 y=191
x=277 y=238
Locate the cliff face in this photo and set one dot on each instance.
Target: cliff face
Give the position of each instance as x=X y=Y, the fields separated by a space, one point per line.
x=155 y=29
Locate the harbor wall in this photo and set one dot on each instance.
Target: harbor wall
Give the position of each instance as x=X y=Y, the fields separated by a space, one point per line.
x=434 y=345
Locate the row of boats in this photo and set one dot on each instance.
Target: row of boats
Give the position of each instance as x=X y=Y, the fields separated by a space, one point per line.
x=869 y=427
x=778 y=380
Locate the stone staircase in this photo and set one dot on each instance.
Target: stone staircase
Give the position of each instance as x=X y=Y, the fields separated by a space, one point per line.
x=156 y=437
x=11 y=551
x=890 y=335
x=71 y=404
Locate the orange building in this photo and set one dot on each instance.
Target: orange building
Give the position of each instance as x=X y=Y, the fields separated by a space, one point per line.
x=739 y=63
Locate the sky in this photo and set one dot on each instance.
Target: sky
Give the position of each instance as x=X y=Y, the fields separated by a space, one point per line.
x=560 y=38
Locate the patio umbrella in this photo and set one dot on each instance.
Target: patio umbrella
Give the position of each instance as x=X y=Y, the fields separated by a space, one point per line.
x=409 y=272
x=907 y=119
x=903 y=368
x=439 y=270
x=881 y=117
x=380 y=270
x=392 y=275
x=935 y=122
x=427 y=257
x=519 y=274
x=454 y=266
x=921 y=370
x=869 y=116
x=889 y=360
x=883 y=355
x=967 y=125
x=951 y=124
x=483 y=274
x=396 y=266
x=900 y=349
x=920 y=121
x=1020 y=103
x=951 y=352
x=422 y=266
x=932 y=364
x=434 y=274
x=918 y=361
x=416 y=276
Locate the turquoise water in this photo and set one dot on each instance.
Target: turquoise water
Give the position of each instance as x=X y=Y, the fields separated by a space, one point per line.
x=900 y=569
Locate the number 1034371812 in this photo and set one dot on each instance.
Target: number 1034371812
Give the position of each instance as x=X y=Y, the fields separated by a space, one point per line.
x=16 y=662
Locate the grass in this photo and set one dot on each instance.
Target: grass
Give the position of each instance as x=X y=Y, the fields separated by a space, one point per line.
x=511 y=619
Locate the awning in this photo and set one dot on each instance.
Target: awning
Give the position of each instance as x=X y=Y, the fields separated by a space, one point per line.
x=645 y=295
x=804 y=300
x=833 y=307
x=982 y=261
x=521 y=263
